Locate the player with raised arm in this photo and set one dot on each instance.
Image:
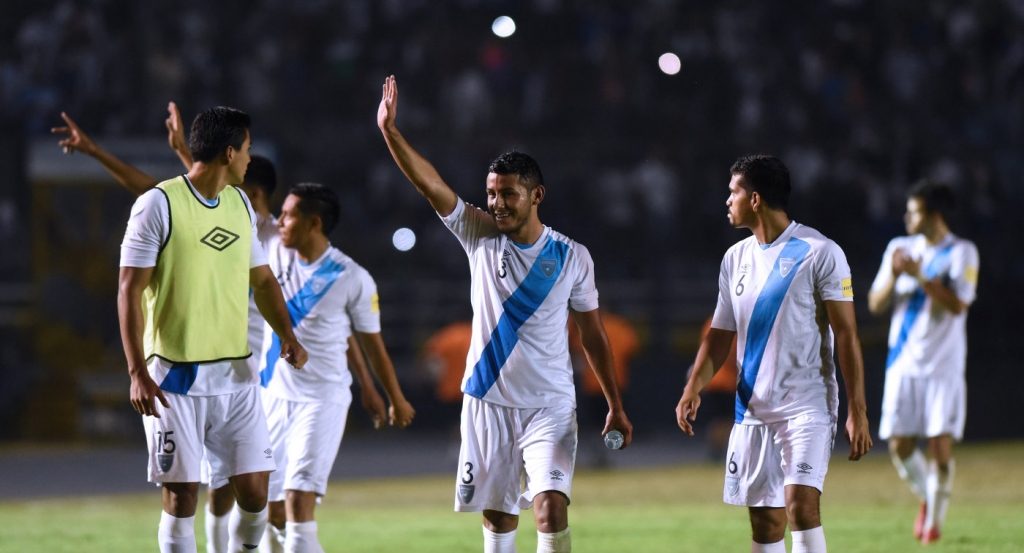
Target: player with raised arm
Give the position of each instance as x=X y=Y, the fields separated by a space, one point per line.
x=786 y=294
x=929 y=279
x=518 y=415
x=189 y=257
x=259 y=184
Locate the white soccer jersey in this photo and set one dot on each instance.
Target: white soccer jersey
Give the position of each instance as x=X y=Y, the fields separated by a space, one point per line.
x=148 y=228
x=325 y=299
x=773 y=298
x=924 y=337
x=521 y=295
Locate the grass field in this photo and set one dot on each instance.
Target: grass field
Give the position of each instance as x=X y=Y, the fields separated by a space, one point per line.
x=865 y=508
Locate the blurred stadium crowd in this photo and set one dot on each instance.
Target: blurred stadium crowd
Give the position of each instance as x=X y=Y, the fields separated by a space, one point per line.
x=860 y=98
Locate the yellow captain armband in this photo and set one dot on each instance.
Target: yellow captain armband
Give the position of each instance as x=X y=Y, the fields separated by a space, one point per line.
x=971 y=275
x=847 y=287
x=375 y=303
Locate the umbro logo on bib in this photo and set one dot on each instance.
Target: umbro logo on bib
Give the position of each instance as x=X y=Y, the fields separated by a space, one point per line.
x=786 y=265
x=547 y=266
x=219 y=239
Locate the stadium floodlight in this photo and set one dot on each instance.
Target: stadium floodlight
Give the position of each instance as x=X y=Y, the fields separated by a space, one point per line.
x=503 y=26
x=404 y=239
x=669 y=63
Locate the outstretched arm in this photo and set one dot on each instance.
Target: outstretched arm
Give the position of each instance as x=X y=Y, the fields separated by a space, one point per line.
x=401 y=411
x=712 y=355
x=418 y=170
x=599 y=354
x=844 y=325
x=372 y=402
x=131 y=178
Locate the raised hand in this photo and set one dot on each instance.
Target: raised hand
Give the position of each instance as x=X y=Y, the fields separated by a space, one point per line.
x=175 y=130
x=388 y=109
x=76 y=139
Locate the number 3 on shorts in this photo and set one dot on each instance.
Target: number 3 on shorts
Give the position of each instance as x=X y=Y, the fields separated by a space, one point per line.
x=468 y=478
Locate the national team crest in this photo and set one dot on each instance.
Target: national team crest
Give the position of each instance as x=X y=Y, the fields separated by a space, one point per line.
x=547 y=266
x=786 y=265
x=732 y=485
x=165 y=461
x=317 y=284
x=466 y=493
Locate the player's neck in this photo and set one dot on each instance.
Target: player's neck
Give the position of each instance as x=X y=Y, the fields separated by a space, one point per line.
x=311 y=249
x=208 y=180
x=770 y=225
x=529 y=233
x=936 y=234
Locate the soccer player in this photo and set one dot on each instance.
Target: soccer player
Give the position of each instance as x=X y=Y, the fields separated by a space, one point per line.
x=785 y=293
x=518 y=416
x=259 y=185
x=189 y=257
x=928 y=279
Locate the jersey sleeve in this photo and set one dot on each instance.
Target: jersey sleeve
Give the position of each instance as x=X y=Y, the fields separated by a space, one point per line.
x=469 y=224
x=885 y=269
x=257 y=256
x=963 y=272
x=583 y=296
x=832 y=279
x=724 y=317
x=146 y=232
x=363 y=307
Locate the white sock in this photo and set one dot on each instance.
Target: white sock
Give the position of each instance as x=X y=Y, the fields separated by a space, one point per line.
x=300 y=537
x=216 y=532
x=559 y=542
x=273 y=540
x=940 y=487
x=246 y=529
x=809 y=541
x=777 y=547
x=176 y=535
x=912 y=470
x=499 y=543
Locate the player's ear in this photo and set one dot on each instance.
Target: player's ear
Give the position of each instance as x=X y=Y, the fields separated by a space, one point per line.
x=755 y=200
x=538 y=194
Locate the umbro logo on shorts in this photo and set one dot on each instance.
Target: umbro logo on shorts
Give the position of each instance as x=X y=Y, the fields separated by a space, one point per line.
x=804 y=468
x=269 y=452
x=219 y=239
x=556 y=474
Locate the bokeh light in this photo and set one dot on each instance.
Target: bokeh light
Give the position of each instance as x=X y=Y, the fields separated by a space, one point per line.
x=404 y=239
x=669 y=63
x=504 y=26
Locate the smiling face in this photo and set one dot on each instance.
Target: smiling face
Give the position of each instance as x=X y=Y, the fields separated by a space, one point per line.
x=294 y=226
x=509 y=202
x=741 y=212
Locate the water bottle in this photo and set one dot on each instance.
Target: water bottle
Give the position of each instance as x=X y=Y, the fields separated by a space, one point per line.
x=613 y=439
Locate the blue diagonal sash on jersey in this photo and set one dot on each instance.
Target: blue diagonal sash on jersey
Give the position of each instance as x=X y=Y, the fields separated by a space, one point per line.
x=519 y=307
x=915 y=303
x=762 y=319
x=180 y=378
x=299 y=306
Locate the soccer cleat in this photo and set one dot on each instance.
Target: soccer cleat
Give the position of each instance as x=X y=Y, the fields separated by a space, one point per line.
x=919 y=522
x=931 y=535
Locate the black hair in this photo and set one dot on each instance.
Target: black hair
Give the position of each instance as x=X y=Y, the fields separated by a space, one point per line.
x=767 y=176
x=935 y=197
x=261 y=174
x=316 y=199
x=520 y=164
x=215 y=129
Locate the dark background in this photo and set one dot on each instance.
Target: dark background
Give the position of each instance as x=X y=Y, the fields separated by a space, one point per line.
x=860 y=98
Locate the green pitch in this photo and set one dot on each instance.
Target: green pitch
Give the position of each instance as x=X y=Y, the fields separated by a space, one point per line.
x=865 y=508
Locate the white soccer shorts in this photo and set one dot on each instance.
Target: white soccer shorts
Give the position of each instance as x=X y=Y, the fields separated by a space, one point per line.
x=502 y=444
x=923 y=406
x=230 y=427
x=765 y=458
x=306 y=437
